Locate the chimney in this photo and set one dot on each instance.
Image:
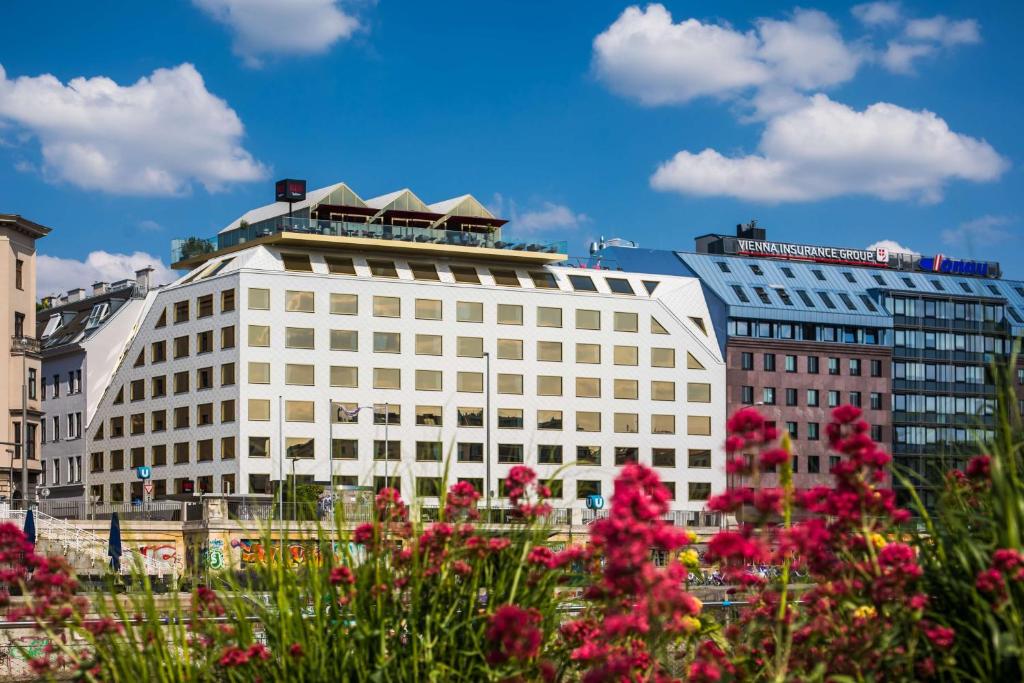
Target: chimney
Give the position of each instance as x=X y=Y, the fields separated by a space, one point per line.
x=142 y=278
x=76 y=294
x=99 y=288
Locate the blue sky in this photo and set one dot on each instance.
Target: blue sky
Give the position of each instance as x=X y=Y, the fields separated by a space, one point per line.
x=830 y=124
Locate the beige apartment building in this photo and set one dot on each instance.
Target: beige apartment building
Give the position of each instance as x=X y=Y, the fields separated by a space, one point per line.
x=19 y=354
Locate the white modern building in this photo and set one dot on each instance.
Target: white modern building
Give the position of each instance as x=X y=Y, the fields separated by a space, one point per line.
x=83 y=338
x=383 y=341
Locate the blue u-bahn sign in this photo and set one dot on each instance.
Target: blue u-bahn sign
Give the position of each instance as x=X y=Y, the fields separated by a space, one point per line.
x=595 y=502
x=941 y=264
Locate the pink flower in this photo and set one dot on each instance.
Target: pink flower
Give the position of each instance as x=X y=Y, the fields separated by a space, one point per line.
x=979 y=467
x=773 y=457
x=232 y=656
x=295 y=650
x=941 y=636
x=341 y=575
x=990 y=581
x=363 y=534
x=514 y=633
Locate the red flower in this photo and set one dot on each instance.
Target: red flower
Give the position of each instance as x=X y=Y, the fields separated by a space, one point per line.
x=233 y=656
x=773 y=457
x=990 y=581
x=341 y=575
x=363 y=534
x=979 y=467
x=941 y=636
x=295 y=650
x=514 y=633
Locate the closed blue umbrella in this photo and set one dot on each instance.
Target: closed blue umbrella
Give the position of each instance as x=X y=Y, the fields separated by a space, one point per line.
x=114 y=544
x=30 y=527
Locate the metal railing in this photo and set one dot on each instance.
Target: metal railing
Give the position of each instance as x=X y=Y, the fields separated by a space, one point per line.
x=680 y=518
x=195 y=246
x=73 y=538
x=29 y=345
x=160 y=510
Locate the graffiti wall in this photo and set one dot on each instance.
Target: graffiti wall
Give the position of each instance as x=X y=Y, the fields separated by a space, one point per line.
x=255 y=551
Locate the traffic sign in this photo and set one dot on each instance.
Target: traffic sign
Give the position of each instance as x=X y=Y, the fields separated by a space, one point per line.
x=148 y=487
x=143 y=472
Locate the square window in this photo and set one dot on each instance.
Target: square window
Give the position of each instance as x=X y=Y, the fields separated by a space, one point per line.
x=259 y=373
x=549 y=420
x=387 y=378
x=424 y=271
x=588 y=353
x=510 y=384
x=466 y=274
x=470 y=382
x=300 y=302
x=549 y=385
x=588 y=387
x=428 y=309
x=660 y=390
x=297 y=262
x=548 y=316
x=428 y=380
x=627 y=389
x=663 y=457
x=259 y=335
x=344 y=340
x=663 y=358
x=505 y=277
x=381 y=268
x=698 y=425
x=587 y=319
x=469 y=347
x=510 y=454
x=259 y=299
x=259 y=409
x=469 y=312
x=588 y=421
x=301 y=375
x=298 y=337
x=387 y=307
x=626 y=423
x=428 y=345
x=626 y=355
x=470 y=417
x=626 y=322
x=510 y=418
x=698 y=392
x=549 y=351
x=510 y=349
x=387 y=342
x=344 y=376
x=429 y=416
x=344 y=304
x=510 y=314
x=663 y=424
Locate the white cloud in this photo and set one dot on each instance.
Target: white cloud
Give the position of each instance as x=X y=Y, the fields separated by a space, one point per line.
x=877 y=13
x=892 y=246
x=645 y=55
x=926 y=38
x=154 y=137
x=149 y=225
x=549 y=216
x=826 y=149
x=58 y=275
x=269 y=27
x=899 y=57
x=542 y=217
x=940 y=29
x=987 y=230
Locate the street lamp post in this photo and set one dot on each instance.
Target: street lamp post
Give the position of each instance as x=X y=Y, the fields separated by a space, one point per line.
x=387 y=446
x=487 y=447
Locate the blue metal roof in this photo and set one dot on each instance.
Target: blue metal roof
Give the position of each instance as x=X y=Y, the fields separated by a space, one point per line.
x=777 y=289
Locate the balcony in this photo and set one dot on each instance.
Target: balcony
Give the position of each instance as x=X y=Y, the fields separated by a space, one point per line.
x=25 y=346
x=194 y=250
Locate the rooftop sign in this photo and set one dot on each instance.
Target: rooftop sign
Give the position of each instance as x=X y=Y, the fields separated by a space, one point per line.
x=940 y=264
x=877 y=258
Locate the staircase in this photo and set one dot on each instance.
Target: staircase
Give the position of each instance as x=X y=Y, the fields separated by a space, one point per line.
x=73 y=539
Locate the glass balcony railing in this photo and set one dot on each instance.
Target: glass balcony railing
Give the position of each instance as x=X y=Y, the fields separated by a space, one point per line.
x=195 y=246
